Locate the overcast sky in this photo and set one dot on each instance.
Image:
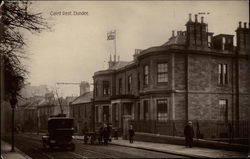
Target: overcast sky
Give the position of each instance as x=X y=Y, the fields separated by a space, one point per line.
x=77 y=45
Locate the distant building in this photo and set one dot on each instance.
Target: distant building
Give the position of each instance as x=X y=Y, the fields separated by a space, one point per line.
x=81 y=109
x=31 y=91
x=193 y=76
x=32 y=113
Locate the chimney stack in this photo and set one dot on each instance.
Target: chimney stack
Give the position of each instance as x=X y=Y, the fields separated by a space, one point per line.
x=239 y=24
x=84 y=87
x=202 y=19
x=190 y=18
x=172 y=33
x=245 y=25
x=196 y=17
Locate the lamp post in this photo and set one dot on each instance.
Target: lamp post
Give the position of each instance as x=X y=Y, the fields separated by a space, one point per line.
x=13 y=102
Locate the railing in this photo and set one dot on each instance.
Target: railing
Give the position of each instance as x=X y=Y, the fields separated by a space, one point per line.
x=209 y=130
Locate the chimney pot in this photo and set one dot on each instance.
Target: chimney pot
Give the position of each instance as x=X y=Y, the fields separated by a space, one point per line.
x=173 y=33
x=190 y=18
x=202 y=19
x=196 y=17
x=239 y=24
x=245 y=25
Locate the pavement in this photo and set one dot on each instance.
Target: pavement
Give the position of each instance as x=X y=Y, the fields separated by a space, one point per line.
x=7 y=154
x=194 y=152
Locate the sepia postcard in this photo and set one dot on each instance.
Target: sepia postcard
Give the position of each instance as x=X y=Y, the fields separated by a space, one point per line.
x=124 y=79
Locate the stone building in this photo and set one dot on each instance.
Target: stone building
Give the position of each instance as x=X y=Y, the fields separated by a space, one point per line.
x=81 y=109
x=194 y=76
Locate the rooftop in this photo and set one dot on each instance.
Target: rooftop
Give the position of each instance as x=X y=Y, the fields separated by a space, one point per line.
x=84 y=98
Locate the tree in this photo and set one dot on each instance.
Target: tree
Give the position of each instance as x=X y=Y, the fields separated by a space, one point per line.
x=15 y=18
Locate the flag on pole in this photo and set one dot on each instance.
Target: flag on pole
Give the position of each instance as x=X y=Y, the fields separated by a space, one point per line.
x=111 y=35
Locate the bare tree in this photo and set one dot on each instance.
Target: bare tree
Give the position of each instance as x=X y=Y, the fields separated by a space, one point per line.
x=16 y=17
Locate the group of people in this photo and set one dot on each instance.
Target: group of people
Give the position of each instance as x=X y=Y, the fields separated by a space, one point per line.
x=105 y=134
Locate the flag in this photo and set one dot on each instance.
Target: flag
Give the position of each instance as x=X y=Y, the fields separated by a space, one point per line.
x=111 y=35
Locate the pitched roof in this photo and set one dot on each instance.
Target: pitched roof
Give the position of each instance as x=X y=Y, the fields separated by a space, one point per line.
x=176 y=40
x=119 y=64
x=84 y=98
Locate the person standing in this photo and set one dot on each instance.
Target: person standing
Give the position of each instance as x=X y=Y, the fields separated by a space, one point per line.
x=131 y=134
x=189 y=134
x=100 y=135
x=105 y=134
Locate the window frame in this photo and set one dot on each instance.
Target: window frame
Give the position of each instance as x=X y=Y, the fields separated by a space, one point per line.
x=162 y=73
x=146 y=75
x=223 y=74
x=146 y=115
x=223 y=110
x=106 y=90
x=163 y=119
x=129 y=83
x=119 y=86
x=96 y=114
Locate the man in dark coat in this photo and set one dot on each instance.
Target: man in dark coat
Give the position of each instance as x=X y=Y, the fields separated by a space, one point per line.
x=100 y=135
x=189 y=134
x=105 y=134
x=131 y=134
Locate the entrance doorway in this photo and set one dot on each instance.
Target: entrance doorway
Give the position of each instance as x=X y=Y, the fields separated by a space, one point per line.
x=106 y=114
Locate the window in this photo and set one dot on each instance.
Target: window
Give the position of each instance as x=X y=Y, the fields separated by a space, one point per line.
x=162 y=110
x=96 y=89
x=79 y=112
x=85 y=111
x=105 y=114
x=209 y=41
x=116 y=113
x=145 y=75
x=138 y=111
x=145 y=108
x=129 y=83
x=138 y=81
x=162 y=72
x=96 y=113
x=222 y=74
x=106 y=88
x=225 y=74
x=223 y=110
x=120 y=86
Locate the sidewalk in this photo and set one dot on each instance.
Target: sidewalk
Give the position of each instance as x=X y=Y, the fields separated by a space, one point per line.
x=6 y=154
x=195 y=152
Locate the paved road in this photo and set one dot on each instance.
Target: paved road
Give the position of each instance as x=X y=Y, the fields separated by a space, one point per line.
x=31 y=145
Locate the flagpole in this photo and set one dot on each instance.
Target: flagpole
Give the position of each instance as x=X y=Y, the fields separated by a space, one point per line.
x=115 y=45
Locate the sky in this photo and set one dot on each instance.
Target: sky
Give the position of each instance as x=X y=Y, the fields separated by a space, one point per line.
x=77 y=45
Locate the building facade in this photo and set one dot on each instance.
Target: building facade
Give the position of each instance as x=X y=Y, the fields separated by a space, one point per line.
x=193 y=76
x=81 y=109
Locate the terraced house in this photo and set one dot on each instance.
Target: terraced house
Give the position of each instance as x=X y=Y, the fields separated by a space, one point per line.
x=194 y=76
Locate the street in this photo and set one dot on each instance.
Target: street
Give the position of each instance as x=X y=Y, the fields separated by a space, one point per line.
x=31 y=145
